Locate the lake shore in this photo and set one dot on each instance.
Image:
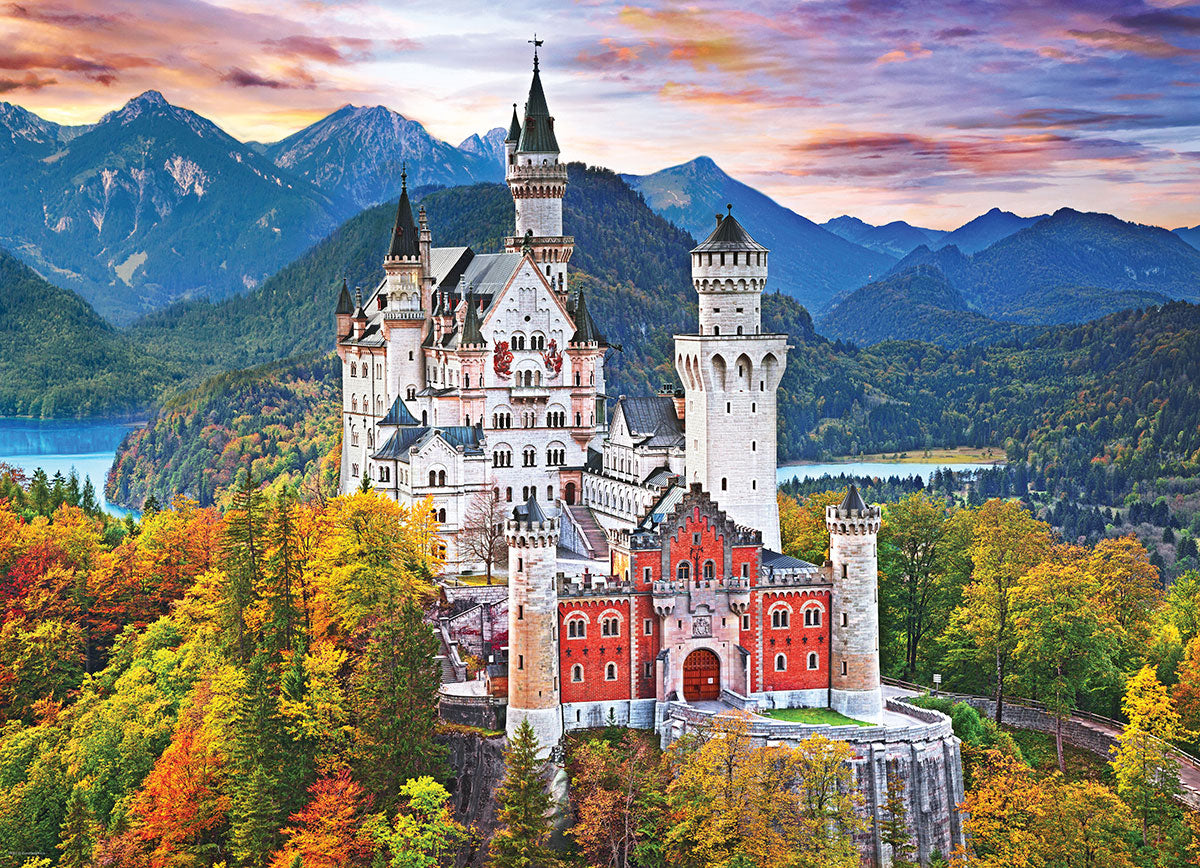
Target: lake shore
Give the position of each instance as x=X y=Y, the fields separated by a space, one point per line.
x=944 y=457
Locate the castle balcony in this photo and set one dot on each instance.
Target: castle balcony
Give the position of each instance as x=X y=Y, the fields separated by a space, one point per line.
x=592 y=586
x=793 y=579
x=390 y=315
x=530 y=393
x=535 y=172
x=664 y=597
x=516 y=242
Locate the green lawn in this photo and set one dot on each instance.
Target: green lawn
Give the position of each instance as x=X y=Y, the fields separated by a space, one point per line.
x=479 y=579
x=822 y=716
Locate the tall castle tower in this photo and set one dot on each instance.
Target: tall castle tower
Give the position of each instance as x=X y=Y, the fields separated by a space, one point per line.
x=854 y=650
x=406 y=295
x=538 y=182
x=730 y=373
x=533 y=688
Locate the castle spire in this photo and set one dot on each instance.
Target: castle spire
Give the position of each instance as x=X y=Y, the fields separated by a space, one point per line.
x=404 y=235
x=514 y=128
x=344 y=304
x=537 y=136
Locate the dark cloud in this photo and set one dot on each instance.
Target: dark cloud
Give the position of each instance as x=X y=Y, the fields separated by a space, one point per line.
x=30 y=81
x=244 y=78
x=61 y=16
x=1160 y=20
x=103 y=70
x=1068 y=118
x=957 y=33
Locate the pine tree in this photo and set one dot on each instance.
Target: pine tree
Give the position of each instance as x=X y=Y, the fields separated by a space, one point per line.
x=396 y=687
x=283 y=568
x=87 y=500
x=76 y=834
x=243 y=545
x=522 y=841
x=254 y=818
x=893 y=829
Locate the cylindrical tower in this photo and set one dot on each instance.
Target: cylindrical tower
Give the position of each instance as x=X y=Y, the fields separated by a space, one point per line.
x=730 y=373
x=533 y=687
x=854 y=652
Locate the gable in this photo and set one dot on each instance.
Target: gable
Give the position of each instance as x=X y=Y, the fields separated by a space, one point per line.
x=527 y=306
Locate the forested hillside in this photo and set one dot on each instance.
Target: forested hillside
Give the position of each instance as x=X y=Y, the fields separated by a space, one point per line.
x=280 y=420
x=59 y=358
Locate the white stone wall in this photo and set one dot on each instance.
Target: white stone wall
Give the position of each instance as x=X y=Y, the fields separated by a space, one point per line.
x=731 y=384
x=854 y=644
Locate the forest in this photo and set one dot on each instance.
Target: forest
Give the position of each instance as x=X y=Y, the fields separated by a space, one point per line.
x=254 y=684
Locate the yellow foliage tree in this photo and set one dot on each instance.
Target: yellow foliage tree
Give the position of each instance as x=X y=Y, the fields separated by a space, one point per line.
x=802 y=525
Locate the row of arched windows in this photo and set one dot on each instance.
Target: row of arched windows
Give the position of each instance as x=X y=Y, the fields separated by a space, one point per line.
x=814 y=662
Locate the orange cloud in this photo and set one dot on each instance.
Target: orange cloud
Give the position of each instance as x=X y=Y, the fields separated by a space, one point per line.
x=745 y=98
x=905 y=53
x=1130 y=43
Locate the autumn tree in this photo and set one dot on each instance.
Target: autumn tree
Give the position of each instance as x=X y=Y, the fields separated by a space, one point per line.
x=523 y=807
x=329 y=832
x=618 y=795
x=1065 y=643
x=894 y=831
x=482 y=536
x=1146 y=769
x=1128 y=592
x=1006 y=543
x=802 y=525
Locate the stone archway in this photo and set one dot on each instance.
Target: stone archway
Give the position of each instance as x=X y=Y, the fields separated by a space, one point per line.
x=701 y=676
x=570 y=494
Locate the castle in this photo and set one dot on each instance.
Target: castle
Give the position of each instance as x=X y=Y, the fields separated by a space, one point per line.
x=645 y=579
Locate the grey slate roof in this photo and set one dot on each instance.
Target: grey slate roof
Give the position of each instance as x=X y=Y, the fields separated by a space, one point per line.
x=404 y=234
x=537 y=136
x=728 y=235
x=514 y=128
x=398 y=445
x=776 y=561
x=531 y=511
x=652 y=418
x=586 y=331
x=345 y=305
x=399 y=415
x=853 y=500
x=471 y=335
x=659 y=477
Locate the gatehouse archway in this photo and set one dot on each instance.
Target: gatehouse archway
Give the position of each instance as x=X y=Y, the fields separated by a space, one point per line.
x=701 y=676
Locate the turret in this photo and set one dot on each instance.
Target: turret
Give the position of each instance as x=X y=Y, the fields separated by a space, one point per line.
x=402 y=264
x=343 y=312
x=854 y=650
x=729 y=271
x=533 y=687
x=513 y=139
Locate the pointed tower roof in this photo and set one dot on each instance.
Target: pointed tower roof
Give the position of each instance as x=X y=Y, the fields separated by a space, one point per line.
x=531 y=511
x=853 y=500
x=404 y=236
x=399 y=415
x=729 y=234
x=586 y=331
x=514 y=128
x=538 y=134
x=345 y=305
x=471 y=335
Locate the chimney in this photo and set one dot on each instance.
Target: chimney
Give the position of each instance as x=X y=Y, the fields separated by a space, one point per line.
x=677 y=397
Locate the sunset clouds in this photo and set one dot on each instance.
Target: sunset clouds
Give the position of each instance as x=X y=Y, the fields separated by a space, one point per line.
x=926 y=111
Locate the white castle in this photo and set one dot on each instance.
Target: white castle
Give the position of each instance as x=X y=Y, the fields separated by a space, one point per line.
x=466 y=373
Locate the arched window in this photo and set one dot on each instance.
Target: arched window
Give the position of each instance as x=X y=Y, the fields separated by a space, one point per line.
x=441 y=477
x=781 y=663
x=424 y=417
x=610 y=672
x=529 y=457
x=683 y=572
x=353 y=369
x=709 y=571
x=610 y=627
x=814 y=662
x=441 y=516
x=577 y=674
x=508 y=494
x=780 y=617
x=576 y=628
x=411 y=393
x=812 y=617
x=433 y=477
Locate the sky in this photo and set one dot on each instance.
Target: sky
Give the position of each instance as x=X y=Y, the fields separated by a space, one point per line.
x=930 y=112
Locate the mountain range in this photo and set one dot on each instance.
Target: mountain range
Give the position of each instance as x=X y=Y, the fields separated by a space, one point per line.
x=1069 y=267
x=155 y=203
x=807 y=262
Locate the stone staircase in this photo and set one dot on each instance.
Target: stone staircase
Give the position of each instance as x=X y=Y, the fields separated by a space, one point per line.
x=592 y=532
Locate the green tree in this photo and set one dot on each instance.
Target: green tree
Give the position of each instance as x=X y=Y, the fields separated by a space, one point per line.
x=893 y=827
x=243 y=547
x=396 y=691
x=254 y=818
x=523 y=812
x=425 y=832
x=77 y=833
x=1065 y=644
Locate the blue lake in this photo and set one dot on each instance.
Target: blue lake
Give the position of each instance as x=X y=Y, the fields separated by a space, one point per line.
x=55 y=446
x=882 y=469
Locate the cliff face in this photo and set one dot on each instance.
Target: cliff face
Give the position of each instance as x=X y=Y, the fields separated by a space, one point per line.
x=478 y=767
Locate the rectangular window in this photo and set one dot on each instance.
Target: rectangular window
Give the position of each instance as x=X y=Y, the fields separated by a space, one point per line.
x=648 y=627
x=843 y=667
x=520 y=613
x=648 y=669
x=647 y=574
x=521 y=661
x=745 y=622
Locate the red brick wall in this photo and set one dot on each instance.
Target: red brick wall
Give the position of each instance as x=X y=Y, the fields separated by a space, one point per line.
x=795 y=641
x=711 y=547
x=594 y=651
